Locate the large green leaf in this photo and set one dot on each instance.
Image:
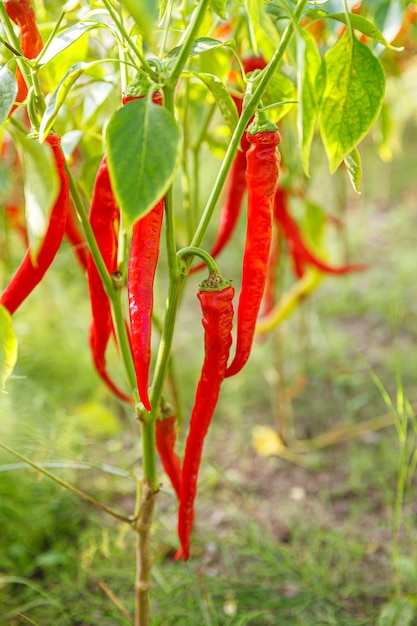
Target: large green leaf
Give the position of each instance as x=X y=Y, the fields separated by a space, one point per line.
x=351 y=82
x=280 y=89
x=308 y=64
x=144 y=148
x=41 y=187
x=8 y=92
x=219 y=7
x=8 y=347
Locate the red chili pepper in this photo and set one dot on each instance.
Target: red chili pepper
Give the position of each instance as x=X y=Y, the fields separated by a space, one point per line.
x=165 y=444
x=75 y=237
x=268 y=299
x=236 y=181
x=262 y=171
x=21 y=12
x=301 y=255
x=144 y=252
x=143 y=259
x=217 y=308
x=28 y=274
x=104 y=213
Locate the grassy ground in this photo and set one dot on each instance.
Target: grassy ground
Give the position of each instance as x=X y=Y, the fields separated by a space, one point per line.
x=321 y=541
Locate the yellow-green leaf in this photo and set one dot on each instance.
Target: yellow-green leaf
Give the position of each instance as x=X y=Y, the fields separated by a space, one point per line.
x=353 y=166
x=352 y=83
x=8 y=346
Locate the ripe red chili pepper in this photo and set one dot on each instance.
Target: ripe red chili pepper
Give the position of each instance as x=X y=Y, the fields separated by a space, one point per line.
x=216 y=300
x=301 y=255
x=236 y=181
x=262 y=171
x=143 y=259
x=21 y=12
x=165 y=444
x=28 y=274
x=15 y=220
x=104 y=212
x=268 y=299
x=75 y=237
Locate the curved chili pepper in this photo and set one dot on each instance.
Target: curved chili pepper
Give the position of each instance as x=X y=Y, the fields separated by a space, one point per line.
x=165 y=444
x=104 y=212
x=262 y=171
x=268 y=299
x=21 y=12
x=143 y=259
x=236 y=180
x=75 y=237
x=217 y=308
x=28 y=274
x=301 y=255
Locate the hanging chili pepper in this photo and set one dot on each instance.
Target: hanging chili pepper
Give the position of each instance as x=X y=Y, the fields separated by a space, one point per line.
x=301 y=255
x=262 y=171
x=216 y=298
x=104 y=213
x=30 y=273
x=236 y=180
x=21 y=12
x=143 y=259
x=75 y=237
x=165 y=444
x=15 y=219
x=268 y=299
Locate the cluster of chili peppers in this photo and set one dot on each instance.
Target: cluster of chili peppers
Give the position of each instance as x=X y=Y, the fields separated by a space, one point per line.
x=255 y=172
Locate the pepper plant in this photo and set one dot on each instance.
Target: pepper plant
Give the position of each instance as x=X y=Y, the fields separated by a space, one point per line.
x=117 y=102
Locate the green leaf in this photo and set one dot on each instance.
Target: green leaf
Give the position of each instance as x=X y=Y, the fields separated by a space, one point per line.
x=60 y=94
x=41 y=187
x=8 y=92
x=252 y=11
x=8 y=346
x=202 y=45
x=219 y=8
x=144 y=148
x=399 y=612
x=308 y=64
x=364 y=26
x=280 y=89
x=145 y=14
x=353 y=165
x=222 y=97
x=351 y=82
x=64 y=40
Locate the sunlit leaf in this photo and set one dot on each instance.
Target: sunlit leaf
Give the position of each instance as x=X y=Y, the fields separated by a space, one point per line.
x=222 y=97
x=252 y=11
x=308 y=64
x=60 y=94
x=41 y=187
x=219 y=7
x=8 y=93
x=144 y=147
x=202 y=45
x=64 y=39
x=280 y=89
x=8 y=347
x=353 y=166
x=363 y=25
x=351 y=82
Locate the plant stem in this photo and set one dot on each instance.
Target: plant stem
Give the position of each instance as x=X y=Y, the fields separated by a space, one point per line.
x=143 y=581
x=188 y=41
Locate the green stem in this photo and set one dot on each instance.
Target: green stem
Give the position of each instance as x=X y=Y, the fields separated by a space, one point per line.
x=264 y=79
x=121 y=27
x=203 y=254
x=168 y=16
x=188 y=41
x=91 y=240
